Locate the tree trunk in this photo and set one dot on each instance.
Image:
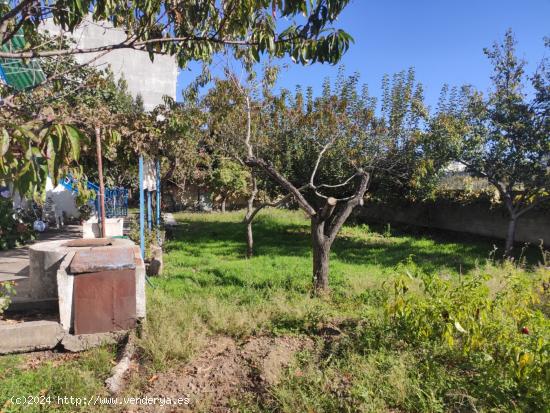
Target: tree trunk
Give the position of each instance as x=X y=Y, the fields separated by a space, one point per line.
x=510 y=237
x=249 y=240
x=321 y=251
x=224 y=199
x=250 y=213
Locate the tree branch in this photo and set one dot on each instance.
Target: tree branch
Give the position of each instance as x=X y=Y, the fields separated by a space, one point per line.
x=248 y=127
x=137 y=45
x=321 y=153
x=357 y=199
x=60 y=75
x=328 y=209
x=15 y=11
x=283 y=182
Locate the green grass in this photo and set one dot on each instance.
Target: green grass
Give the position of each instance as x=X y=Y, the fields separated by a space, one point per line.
x=208 y=251
x=209 y=288
x=396 y=353
x=80 y=378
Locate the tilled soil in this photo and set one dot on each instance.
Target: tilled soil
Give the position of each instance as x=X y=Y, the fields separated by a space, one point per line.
x=226 y=371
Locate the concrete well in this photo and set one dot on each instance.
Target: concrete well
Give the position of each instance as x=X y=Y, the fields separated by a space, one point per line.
x=39 y=288
x=50 y=279
x=66 y=281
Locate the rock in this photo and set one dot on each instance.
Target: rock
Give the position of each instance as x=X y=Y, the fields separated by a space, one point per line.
x=156 y=265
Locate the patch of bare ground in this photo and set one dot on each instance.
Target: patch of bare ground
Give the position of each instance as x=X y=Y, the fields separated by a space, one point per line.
x=36 y=359
x=226 y=370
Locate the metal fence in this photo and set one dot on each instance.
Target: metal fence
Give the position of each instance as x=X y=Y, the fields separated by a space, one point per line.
x=116 y=199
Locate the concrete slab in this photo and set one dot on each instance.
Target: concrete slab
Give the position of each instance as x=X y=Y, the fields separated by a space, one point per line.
x=82 y=342
x=29 y=336
x=40 y=335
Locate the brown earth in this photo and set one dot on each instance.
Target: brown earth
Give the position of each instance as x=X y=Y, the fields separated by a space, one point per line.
x=226 y=371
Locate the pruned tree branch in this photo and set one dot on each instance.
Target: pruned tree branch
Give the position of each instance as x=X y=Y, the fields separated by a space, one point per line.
x=345 y=212
x=283 y=182
x=317 y=162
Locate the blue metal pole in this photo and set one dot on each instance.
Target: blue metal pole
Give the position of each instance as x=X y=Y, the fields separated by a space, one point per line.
x=141 y=209
x=149 y=211
x=158 y=193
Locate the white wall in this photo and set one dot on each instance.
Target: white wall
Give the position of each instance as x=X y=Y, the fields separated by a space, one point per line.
x=152 y=80
x=63 y=199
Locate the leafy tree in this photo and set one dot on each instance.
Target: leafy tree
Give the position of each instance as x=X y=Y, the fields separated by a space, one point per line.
x=503 y=137
x=321 y=152
x=45 y=131
x=189 y=29
x=229 y=179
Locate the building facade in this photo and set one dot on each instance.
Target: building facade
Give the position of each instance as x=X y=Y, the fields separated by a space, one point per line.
x=151 y=80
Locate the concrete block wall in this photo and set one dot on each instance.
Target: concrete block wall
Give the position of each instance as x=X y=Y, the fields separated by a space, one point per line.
x=153 y=80
x=533 y=227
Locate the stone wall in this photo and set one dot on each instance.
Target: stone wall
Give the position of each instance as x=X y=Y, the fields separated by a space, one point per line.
x=473 y=219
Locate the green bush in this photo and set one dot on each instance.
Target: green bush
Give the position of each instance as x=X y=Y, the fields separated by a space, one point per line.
x=153 y=237
x=488 y=330
x=6 y=291
x=431 y=343
x=15 y=227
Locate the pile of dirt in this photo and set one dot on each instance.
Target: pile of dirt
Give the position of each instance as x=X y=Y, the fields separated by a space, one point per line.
x=226 y=370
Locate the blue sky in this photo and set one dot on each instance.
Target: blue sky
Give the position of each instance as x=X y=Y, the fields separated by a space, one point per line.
x=442 y=39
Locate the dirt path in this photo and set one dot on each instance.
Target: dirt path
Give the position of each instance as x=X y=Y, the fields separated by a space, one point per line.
x=226 y=370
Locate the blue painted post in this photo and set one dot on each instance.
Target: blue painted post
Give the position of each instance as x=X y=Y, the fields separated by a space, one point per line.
x=141 y=209
x=149 y=211
x=158 y=193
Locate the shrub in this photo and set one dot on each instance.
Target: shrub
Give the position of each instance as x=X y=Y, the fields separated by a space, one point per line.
x=6 y=291
x=15 y=226
x=433 y=343
x=153 y=237
x=487 y=329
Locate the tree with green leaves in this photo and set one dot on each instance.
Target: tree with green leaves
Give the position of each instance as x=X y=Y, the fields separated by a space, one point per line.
x=321 y=153
x=188 y=29
x=229 y=180
x=503 y=137
x=46 y=131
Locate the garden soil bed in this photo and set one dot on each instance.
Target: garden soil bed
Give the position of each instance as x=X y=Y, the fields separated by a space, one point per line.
x=226 y=371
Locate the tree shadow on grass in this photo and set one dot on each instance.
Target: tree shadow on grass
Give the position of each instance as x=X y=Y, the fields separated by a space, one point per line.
x=278 y=238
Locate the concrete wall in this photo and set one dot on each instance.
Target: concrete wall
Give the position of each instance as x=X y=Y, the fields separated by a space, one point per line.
x=473 y=219
x=152 y=80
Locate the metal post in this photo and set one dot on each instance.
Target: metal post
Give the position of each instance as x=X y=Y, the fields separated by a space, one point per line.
x=149 y=211
x=101 y=194
x=141 y=209
x=158 y=193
